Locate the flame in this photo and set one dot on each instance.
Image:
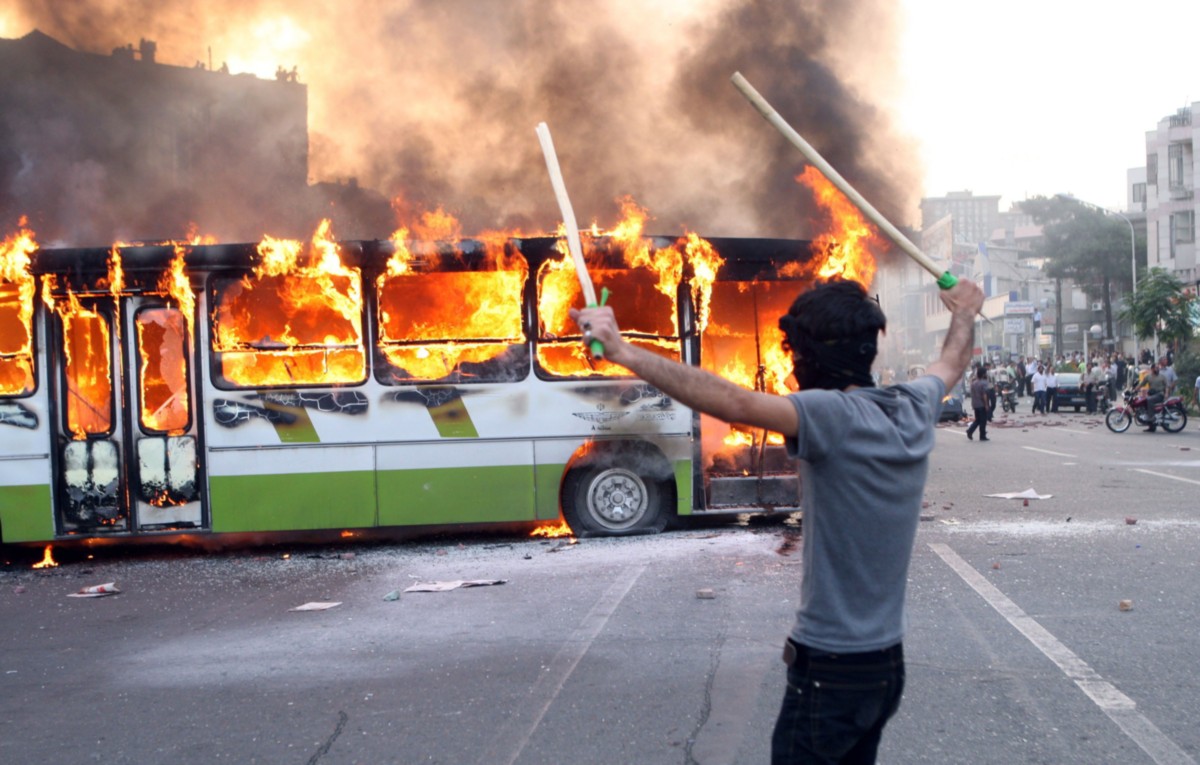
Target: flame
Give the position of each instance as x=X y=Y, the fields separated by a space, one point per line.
x=850 y=243
x=163 y=346
x=87 y=351
x=17 y=289
x=553 y=530
x=646 y=280
x=47 y=560
x=294 y=319
x=433 y=323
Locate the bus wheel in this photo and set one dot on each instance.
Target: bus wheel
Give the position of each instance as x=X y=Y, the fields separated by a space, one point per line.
x=613 y=496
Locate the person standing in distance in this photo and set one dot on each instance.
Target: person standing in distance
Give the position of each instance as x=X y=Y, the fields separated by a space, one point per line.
x=980 y=403
x=864 y=458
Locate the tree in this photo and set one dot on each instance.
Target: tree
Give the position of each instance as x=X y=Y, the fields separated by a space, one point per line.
x=1161 y=307
x=1084 y=245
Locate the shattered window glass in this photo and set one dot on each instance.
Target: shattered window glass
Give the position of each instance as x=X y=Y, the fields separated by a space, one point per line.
x=163 y=371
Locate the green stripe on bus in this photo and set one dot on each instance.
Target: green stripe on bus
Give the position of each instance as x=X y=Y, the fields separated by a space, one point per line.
x=453 y=420
x=549 y=484
x=456 y=495
x=294 y=501
x=683 y=487
x=26 y=513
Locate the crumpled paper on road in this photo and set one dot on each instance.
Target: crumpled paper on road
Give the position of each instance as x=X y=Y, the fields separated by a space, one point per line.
x=1027 y=494
x=452 y=585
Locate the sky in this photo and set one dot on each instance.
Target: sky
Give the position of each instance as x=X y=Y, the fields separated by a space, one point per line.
x=1037 y=97
x=1018 y=98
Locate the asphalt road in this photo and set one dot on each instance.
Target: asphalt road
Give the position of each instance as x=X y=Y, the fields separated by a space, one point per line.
x=602 y=652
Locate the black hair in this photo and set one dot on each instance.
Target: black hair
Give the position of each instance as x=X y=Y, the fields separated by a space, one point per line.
x=832 y=331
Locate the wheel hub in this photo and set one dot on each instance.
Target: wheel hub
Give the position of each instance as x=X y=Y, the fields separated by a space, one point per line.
x=617 y=497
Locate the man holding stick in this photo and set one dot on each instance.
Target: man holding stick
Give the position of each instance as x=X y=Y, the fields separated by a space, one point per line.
x=864 y=461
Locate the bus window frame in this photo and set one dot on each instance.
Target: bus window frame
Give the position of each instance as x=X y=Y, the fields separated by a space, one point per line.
x=33 y=348
x=94 y=303
x=217 y=377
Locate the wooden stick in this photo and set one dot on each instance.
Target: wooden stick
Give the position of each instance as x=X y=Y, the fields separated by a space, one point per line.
x=945 y=278
x=564 y=205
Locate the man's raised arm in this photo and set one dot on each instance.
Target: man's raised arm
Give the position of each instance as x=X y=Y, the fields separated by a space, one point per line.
x=693 y=387
x=964 y=301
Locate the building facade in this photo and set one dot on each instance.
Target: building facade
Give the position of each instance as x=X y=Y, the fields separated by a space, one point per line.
x=1166 y=190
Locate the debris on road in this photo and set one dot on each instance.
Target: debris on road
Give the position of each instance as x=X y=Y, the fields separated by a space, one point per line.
x=1130 y=521
x=1125 y=605
x=96 y=591
x=393 y=595
x=452 y=585
x=705 y=594
x=1027 y=494
x=317 y=606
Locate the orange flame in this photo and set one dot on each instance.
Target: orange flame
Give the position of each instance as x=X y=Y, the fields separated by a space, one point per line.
x=850 y=242
x=47 y=560
x=17 y=289
x=647 y=281
x=553 y=530
x=294 y=320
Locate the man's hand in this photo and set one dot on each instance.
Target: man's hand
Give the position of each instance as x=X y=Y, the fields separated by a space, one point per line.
x=599 y=323
x=964 y=297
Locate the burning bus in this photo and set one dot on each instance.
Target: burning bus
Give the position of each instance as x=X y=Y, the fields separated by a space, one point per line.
x=187 y=388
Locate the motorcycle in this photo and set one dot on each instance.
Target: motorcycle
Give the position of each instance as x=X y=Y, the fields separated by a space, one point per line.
x=1008 y=395
x=1171 y=414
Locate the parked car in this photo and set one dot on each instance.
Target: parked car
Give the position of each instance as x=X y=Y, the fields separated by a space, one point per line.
x=953 y=407
x=1070 y=391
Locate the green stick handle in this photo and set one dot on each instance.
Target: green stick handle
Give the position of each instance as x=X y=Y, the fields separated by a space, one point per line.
x=947 y=280
x=597 y=346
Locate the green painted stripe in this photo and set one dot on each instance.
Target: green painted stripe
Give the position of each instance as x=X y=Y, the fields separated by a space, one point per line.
x=453 y=420
x=300 y=430
x=549 y=485
x=26 y=513
x=456 y=495
x=297 y=501
x=683 y=487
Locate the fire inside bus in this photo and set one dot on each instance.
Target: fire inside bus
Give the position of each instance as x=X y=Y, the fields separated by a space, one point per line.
x=187 y=388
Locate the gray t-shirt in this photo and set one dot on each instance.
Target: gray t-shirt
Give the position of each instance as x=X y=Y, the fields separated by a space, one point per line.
x=865 y=457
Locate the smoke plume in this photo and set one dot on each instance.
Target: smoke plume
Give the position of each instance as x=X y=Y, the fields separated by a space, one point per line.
x=435 y=101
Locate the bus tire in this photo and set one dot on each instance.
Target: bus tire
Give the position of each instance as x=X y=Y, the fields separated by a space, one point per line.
x=618 y=493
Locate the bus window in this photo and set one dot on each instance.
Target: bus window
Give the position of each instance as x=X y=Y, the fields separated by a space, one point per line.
x=289 y=329
x=646 y=314
x=16 y=338
x=452 y=326
x=87 y=349
x=163 y=373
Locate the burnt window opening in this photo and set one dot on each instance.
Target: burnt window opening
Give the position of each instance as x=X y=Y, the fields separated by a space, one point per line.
x=163 y=371
x=87 y=373
x=457 y=326
x=16 y=339
x=646 y=313
x=291 y=329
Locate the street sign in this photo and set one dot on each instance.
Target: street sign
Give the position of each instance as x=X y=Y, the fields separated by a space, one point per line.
x=1014 y=326
x=1018 y=309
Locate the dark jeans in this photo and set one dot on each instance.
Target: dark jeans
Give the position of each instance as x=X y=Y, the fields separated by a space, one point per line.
x=1052 y=399
x=980 y=421
x=836 y=705
x=1039 y=401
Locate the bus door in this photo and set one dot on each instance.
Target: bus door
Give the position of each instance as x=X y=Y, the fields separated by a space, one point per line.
x=126 y=431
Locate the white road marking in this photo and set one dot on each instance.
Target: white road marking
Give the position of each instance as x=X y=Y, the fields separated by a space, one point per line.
x=1047 y=451
x=1120 y=708
x=1166 y=475
x=512 y=739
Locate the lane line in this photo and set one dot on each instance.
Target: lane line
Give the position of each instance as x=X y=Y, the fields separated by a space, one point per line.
x=1166 y=475
x=512 y=739
x=1047 y=451
x=1120 y=708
